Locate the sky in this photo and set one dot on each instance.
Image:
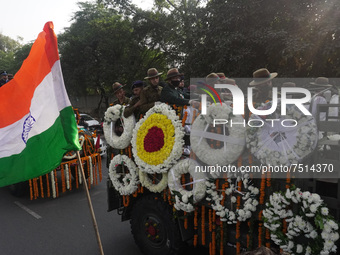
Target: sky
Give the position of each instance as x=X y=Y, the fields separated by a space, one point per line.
x=26 y=18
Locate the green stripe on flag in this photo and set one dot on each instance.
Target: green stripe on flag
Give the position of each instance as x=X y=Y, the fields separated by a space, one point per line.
x=43 y=152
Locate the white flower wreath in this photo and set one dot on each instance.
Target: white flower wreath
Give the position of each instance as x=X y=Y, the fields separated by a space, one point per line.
x=234 y=140
x=280 y=145
x=249 y=197
x=163 y=118
x=147 y=183
x=185 y=199
x=312 y=222
x=113 y=114
x=130 y=180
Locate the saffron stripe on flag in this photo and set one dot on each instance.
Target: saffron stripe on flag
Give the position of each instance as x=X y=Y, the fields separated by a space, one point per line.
x=17 y=94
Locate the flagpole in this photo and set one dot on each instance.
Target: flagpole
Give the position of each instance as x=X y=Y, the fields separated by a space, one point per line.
x=90 y=204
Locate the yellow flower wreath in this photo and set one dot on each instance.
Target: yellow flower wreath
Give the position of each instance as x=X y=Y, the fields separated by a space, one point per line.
x=162 y=122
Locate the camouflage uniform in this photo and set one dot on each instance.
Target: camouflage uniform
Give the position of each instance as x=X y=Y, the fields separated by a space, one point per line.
x=131 y=109
x=148 y=97
x=125 y=102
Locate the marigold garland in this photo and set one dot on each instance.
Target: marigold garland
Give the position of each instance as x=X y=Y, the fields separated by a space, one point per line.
x=35 y=188
x=38 y=190
x=63 y=182
x=195 y=227
x=269 y=183
x=76 y=175
x=260 y=230
x=169 y=197
x=41 y=186
x=31 y=190
x=130 y=151
x=184 y=118
x=126 y=201
x=48 y=186
x=284 y=226
x=267 y=233
x=262 y=189
x=165 y=194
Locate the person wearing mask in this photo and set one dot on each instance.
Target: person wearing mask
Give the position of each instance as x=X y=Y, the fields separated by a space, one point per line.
x=170 y=93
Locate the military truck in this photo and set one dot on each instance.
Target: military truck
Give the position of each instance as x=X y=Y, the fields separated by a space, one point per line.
x=171 y=207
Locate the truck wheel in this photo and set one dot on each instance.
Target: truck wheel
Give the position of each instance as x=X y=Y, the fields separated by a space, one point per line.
x=153 y=227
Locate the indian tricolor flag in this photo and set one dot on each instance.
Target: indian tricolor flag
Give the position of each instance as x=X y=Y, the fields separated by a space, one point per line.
x=37 y=122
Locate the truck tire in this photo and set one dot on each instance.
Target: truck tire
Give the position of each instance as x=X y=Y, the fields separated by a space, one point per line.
x=153 y=227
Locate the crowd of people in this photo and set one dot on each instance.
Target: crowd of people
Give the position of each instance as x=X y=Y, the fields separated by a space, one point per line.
x=152 y=91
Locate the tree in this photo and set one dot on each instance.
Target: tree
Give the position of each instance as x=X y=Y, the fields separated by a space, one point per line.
x=8 y=47
x=101 y=47
x=295 y=38
x=113 y=40
x=172 y=27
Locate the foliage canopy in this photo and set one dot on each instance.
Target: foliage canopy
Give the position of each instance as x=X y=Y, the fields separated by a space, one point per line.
x=114 y=40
